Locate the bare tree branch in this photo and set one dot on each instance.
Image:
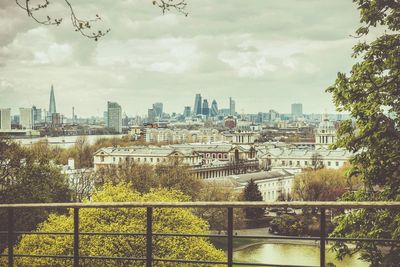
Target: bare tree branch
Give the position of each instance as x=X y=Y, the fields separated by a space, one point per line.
x=167 y=5
x=84 y=26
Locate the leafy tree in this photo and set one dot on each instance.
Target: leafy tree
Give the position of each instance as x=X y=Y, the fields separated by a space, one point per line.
x=140 y=176
x=26 y=177
x=286 y=225
x=321 y=185
x=252 y=193
x=370 y=93
x=175 y=220
x=217 y=218
x=174 y=174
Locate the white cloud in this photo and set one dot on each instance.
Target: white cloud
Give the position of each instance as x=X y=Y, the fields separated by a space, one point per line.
x=167 y=55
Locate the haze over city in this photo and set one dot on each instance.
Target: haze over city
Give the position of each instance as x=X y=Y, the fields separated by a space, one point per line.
x=265 y=54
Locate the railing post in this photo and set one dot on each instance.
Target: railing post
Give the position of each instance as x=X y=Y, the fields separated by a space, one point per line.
x=10 y=237
x=76 y=237
x=322 y=234
x=149 y=234
x=230 y=237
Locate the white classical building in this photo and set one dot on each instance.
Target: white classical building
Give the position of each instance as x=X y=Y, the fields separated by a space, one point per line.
x=143 y=154
x=325 y=134
x=301 y=157
x=272 y=184
x=182 y=135
x=207 y=160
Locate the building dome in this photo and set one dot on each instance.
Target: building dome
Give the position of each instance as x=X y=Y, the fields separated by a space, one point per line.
x=325 y=134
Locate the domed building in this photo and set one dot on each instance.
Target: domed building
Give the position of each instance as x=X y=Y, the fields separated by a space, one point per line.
x=325 y=134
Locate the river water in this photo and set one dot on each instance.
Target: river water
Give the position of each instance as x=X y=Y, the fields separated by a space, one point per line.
x=65 y=141
x=292 y=254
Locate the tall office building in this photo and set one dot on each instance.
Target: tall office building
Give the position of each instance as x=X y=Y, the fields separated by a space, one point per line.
x=214 y=109
x=26 y=118
x=297 y=109
x=151 y=115
x=37 y=115
x=5 y=119
x=114 y=116
x=205 y=108
x=158 y=109
x=232 y=106
x=197 y=105
x=187 y=112
x=105 y=117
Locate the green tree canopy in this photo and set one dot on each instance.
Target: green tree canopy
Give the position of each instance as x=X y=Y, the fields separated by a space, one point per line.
x=172 y=174
x=217 y=218
x=321 y=185
x=122 y=220
x=252 y=193
x=27 y=177
x=370 y=93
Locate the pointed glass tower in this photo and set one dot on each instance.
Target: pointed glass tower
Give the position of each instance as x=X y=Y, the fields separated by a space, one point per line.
x=52 y=105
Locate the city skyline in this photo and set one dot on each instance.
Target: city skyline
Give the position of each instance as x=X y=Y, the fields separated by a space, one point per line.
x=268 y=62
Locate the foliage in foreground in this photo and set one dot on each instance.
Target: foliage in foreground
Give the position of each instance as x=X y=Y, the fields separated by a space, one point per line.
x=27 y=177
x=370 y=93
x=172 y=174
x=122 y=220
x=252 y=193
x=322 y=184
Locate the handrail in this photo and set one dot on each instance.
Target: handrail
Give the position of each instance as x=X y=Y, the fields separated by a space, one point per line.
x=149 y=234
x=222 y=204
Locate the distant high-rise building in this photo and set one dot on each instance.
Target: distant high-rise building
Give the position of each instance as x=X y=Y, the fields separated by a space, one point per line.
x=273 y=115
x=232 y=106
x=105 y=117
x=114 y=116
x=297 y=109
x=26 y=118
x=214 y=109
x=205 y=108
x=187 y=112
x=52 y=104
x=5 y=119
x=197 y=105
x=37 y=115
x=158 y=109
x=151 y=115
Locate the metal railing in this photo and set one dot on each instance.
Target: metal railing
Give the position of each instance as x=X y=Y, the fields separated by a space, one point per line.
x=149 y=234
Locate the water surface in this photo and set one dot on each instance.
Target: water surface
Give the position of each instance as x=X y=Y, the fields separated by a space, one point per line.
x=292 y=254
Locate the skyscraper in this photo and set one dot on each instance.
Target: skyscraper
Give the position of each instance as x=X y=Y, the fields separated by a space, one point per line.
x=197 y=105
x=52 y=104
x=151 y=115
x=214 y=108
x=187 y=112
x=114 y=116
x=205 y=108
x=297 y=109
x=232 y=106
x=26 y=118
x=37 y=115
x=158 y=109
x=5 y=119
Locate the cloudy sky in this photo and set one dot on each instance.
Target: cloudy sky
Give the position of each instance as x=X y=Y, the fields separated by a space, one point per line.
x=266 y=54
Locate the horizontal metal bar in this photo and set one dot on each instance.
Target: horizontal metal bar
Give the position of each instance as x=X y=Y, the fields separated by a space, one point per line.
x=271 y=265
x=72 y=257
x=362 y=239
x=190 y=261
x=276 y=237
x=238 y=204
x=346 y=239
